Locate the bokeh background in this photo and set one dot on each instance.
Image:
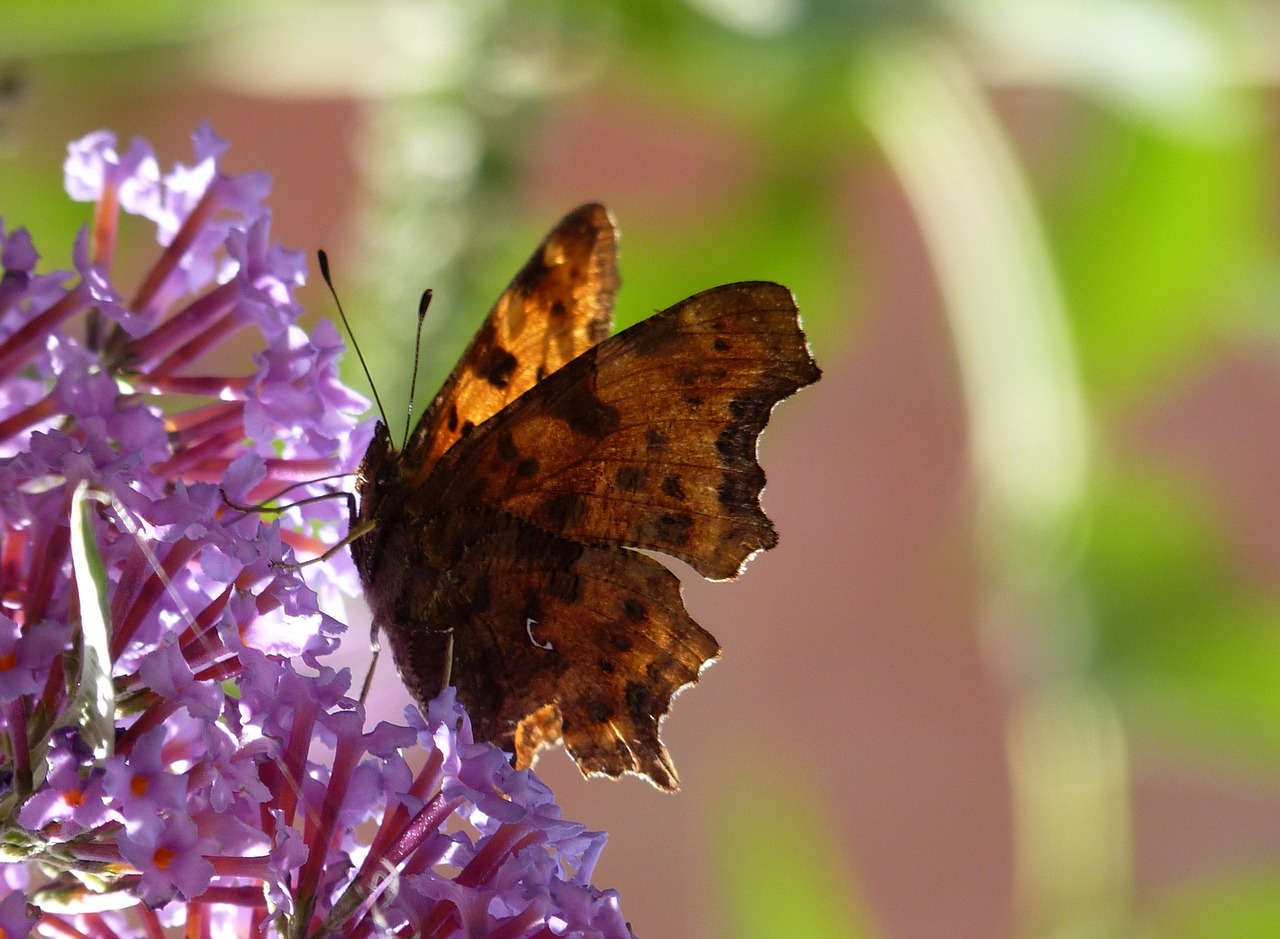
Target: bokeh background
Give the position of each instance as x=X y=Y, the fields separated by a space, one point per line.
x=1014 y=669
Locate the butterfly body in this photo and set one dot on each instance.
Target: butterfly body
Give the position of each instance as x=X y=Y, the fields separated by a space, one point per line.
x=501 y=555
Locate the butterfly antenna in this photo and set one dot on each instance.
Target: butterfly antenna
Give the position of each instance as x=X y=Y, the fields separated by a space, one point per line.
x=417 y=351
x=324 y=272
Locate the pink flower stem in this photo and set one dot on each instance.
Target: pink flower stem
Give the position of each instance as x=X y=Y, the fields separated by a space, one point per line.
x=227 y=418
x=151 y=923
x=29 y=416
x=106 y=217
x=188 y=464
x=152 y=590
x=177 y=248
x=156 y=714
x=322 y=832
x=245 y=896
x=16 y=716
x=197 y=317
x=17 y=349
x=199 y=642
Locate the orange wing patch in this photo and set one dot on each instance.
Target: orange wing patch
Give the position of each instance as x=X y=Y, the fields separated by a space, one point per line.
x=559 y=305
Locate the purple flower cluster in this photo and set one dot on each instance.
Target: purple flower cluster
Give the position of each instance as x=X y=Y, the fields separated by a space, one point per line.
x=239 y=792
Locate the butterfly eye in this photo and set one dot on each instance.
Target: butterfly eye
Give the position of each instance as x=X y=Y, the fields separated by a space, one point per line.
x=389 y=476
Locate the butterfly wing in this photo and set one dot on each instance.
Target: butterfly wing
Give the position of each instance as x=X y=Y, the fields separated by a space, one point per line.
x=554 y=639
x=648 y=439
x=498 y=562
x=558 y=306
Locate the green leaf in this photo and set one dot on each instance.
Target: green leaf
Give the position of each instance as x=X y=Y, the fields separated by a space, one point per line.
x=1155 y=234
x=1192 y=654
x=95 y=700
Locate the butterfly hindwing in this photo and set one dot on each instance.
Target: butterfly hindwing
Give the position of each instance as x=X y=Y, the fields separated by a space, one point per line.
x=558 y=306
x=552 y=638
x=648 y=439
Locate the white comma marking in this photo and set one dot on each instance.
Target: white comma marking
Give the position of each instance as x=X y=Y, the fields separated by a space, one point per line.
x=529 y=623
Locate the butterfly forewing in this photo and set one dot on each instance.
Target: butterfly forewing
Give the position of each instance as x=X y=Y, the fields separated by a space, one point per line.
x=559 y=305
x=648 y=439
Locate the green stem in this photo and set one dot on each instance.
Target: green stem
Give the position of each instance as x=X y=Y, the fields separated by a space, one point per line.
x=1029 y=442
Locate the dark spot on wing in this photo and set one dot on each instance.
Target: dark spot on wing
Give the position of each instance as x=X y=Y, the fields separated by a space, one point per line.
x=599 y=711
x=755 y=403
x=450 y=549
x=467 y=428
x=585 y=414
x=633 y=608
x=630 y=478
x=565 y=510
x=558 y=308
x=671 y=486
x=741 y=488
x=693 y=402
x=453 y=417
x=507 y=448
x=563 y=586
x=620 y=642
x=558 y=554
x=669 y=530
x=720 y=345
x=736 y=444
x=532 y=609
x=688 y=374
x=497 y=366
x=598 y=328
x=534 y=270
x=605 y=666
x=527 y=468
x=639 y=701
x=655 y=439
x=672 y=528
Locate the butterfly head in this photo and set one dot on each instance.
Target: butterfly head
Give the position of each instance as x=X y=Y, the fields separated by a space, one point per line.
x=380 y=472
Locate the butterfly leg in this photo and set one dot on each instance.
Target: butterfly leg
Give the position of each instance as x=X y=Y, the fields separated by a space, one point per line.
x=354 y=534
x=447 y=678
x=375 y=647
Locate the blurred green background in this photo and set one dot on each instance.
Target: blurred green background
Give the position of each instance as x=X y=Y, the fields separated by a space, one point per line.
x=1014 y=670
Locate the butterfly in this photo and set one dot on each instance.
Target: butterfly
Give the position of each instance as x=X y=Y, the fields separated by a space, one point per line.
x=501 y=547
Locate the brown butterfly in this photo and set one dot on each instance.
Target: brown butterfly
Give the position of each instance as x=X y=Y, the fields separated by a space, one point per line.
x=500 y=556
